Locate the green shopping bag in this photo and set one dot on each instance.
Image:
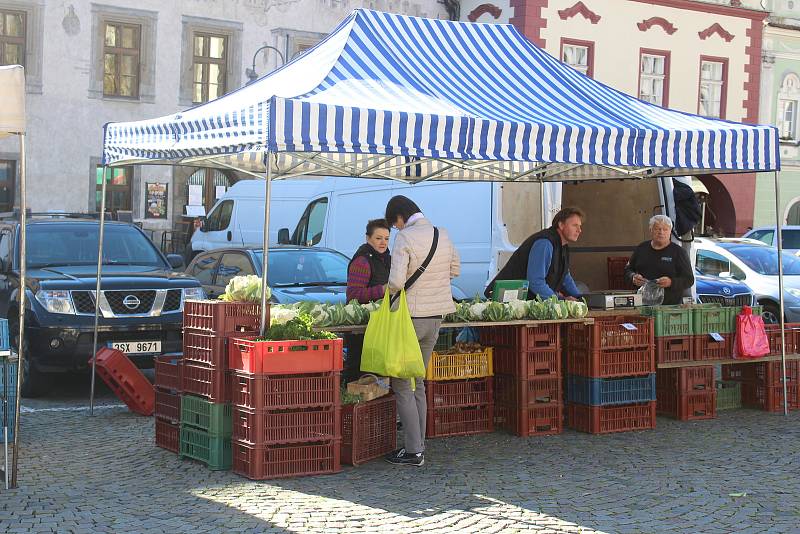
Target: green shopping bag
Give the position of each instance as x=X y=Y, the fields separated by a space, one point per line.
x=390 y=343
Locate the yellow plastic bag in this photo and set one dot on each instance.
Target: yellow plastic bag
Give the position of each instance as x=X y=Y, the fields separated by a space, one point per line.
x=390 y=343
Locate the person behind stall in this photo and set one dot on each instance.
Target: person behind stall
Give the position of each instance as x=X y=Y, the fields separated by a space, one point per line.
x=543 y=259
x=662 y=261
x=429 y=298
x=367 y=277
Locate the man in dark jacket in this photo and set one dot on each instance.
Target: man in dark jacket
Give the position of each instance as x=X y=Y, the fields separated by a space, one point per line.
x=543 y=259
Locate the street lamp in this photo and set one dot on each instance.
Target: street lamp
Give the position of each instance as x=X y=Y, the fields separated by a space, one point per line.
x=251 y=73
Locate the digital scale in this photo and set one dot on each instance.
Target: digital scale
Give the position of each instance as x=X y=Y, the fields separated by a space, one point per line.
x=609 y=300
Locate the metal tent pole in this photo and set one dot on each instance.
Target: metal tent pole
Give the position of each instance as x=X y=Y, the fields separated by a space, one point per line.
x=265 y=251
x=97 y=288
x=778 y=225
x=23 y=271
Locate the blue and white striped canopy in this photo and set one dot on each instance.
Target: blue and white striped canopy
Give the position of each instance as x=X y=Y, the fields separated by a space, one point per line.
x=390 y=96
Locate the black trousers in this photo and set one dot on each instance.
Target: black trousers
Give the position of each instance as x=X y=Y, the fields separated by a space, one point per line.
x=352 y=363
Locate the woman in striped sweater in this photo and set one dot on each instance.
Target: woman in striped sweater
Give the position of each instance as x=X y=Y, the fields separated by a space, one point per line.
x=367 y=277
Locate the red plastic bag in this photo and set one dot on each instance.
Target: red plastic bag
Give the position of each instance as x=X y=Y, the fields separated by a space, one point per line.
x=751 y=337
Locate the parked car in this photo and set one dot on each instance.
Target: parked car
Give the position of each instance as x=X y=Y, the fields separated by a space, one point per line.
x=766 y=234
x=141 y=301
x=755 y=264
x=295 y=273
x=723 y=291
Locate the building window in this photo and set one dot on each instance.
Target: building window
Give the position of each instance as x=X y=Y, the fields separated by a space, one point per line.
x=121 y=49
x=12 y=37
x=209 y=66
x=787 y=119
x=8 y=170
x=579 y=55
x=118 y=188
x=654 y=77
x=713 y=87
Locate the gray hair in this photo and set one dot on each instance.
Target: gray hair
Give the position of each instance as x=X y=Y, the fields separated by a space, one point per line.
x=660 y=219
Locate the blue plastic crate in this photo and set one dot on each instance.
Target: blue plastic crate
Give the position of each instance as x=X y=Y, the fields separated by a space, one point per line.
x=9 y=396
x=611 y=391
x=5 y=343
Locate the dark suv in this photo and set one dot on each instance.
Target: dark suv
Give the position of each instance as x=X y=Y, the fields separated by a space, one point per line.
x=141 y=301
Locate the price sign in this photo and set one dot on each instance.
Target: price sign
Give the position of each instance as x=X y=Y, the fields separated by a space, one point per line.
x=629 y=326
x=716 y=337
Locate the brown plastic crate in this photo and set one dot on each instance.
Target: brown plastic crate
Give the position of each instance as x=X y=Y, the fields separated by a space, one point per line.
x=285 y=357
x=168 y=405
x=168 y=371
x=775 y=341
x=258 y=427
x=691 y=406
x=522 y=338
x=206 y=381
x=462 y=421
x=674 y=349
x=610 y=363
x=770 y=398
x=686 y=379
x=222 y=318
x=369 y=430
x=207 y=349
x=527 y=364
x=282 y=461
x=456 y=393
x=273 y=392
x=513 y=392
x=607 y=332
x=616 y=273
x=608 y=419
x=707 y=348
x=767 y=373
x=168 y=435
x=539 y=420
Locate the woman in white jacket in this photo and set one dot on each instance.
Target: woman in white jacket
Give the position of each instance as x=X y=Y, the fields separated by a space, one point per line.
x=429 y=300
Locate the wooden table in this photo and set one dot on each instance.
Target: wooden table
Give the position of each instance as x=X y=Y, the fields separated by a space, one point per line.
x=696 y=363
x=358 y=329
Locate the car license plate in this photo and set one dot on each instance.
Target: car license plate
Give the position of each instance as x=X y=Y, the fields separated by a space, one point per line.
x=137 y=347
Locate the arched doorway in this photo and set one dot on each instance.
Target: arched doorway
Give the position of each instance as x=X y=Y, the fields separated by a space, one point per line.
x=792 y=214
x=205 y=186
x=720 y=213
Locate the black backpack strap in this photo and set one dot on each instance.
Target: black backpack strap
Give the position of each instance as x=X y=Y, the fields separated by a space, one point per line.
x=421 y=269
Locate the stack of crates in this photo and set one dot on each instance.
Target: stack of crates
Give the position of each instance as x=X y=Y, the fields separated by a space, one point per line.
x=762 y=384
x=713 y=330
x=205 y=423
x=611 y=374
x=527 y=378
x=458 y=389
x=168 y=401
x=286 y=407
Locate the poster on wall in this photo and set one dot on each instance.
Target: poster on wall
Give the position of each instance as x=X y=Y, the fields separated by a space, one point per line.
x=195 y=195
x=156 y=206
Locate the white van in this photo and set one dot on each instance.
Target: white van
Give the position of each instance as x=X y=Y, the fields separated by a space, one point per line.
x=237 y=219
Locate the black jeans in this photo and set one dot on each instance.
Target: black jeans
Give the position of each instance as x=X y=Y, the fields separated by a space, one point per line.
x=352 y=364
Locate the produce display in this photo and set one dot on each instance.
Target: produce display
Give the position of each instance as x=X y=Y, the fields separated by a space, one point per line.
x=462 y=348
x=243 y=289
x=298 y=328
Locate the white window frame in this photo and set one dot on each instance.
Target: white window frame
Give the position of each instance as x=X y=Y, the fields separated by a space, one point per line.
x=652 y=78
x=582 y=68
x=710 y=85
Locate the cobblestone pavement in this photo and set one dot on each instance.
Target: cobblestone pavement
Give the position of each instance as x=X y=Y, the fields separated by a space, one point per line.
x=738 y=473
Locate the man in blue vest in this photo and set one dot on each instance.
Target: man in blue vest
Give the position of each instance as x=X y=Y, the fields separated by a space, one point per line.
x=543 y=259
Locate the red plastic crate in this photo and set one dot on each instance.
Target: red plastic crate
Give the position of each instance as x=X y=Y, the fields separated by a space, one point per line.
x=261 y=392
x=540 y=420
x=222 y=318
x=528 y=364
x=770 y=398
x=125 y=380
x=462 y=421
x=775 y=340
x=282 y=461
x=707 y=348
x=456 y=393
x=616 y=273
x=767 y=373
x=674 y=349
x=168 y=405
x=607 y=333
x=691 y=406
x=608 y=419
x=513 y=392
x=205 y=348
x=168 y=372
x=611 y=363
x=686 y=379
x=522 y=338
x=206 y=381
x=369 y=430
x=258 y=427
x=168 y=435
x=285 y=357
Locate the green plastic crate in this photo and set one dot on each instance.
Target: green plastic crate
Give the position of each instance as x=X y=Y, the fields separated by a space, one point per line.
x=215 y=452
x=670 y=320
x=736 y=310
x=708 y=318
x=447 y=338
x=729 y=395
x=214 y=419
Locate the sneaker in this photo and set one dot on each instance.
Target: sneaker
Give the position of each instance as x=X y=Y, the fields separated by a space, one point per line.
x=401 y=457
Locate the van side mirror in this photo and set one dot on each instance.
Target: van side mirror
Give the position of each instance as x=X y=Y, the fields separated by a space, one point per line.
x=283 y=236
x=203 y=227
